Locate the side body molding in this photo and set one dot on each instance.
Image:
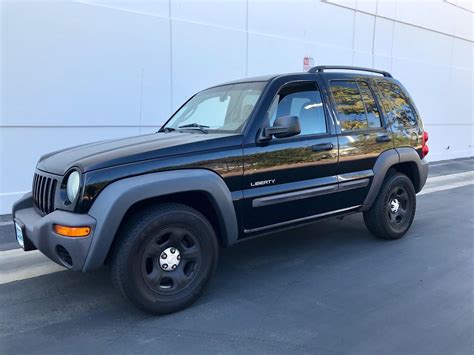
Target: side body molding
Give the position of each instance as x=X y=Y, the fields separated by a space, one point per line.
x=114 y=201
x=388 y=159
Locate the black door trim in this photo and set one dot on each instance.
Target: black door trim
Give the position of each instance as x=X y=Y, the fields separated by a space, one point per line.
x=355 y=175
x=308 y=188
x=353 y=184
x=289 y=187
x=292 y=196
x=299 y=220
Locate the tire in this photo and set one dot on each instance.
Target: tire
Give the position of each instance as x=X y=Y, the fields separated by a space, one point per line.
x=164 y=257
x=393 y=211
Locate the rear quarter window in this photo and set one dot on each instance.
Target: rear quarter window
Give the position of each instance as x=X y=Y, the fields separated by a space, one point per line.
x=397 y=105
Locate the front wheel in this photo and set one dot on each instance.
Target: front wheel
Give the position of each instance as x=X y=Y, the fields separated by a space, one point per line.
x=393 y=211
x=164 y=257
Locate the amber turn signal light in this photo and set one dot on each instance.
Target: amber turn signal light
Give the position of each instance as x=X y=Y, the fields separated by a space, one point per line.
x=66 y=231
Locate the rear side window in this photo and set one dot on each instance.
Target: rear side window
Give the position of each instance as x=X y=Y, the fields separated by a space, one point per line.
x=397 y=105
x=355 y=105
x=373 y=116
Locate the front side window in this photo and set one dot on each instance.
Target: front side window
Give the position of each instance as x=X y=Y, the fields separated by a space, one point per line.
x=303 y=101
x=222 y=109
x=397 y=105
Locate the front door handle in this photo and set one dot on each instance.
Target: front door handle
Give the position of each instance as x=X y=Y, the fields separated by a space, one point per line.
x=383 y=139
x=322 y=147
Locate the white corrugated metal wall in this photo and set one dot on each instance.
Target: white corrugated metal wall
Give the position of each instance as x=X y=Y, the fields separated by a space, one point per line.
x=79 y=71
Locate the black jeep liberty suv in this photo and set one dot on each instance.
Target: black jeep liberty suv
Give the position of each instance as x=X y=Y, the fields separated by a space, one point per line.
x=236 y=160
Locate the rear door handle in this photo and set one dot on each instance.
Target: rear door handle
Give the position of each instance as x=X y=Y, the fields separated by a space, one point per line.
x=322 y=147
x=383 y=139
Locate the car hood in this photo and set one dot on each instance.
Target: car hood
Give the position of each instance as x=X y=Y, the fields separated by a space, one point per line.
x=109 y=153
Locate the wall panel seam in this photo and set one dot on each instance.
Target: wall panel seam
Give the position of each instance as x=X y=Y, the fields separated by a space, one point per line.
x=404 y=23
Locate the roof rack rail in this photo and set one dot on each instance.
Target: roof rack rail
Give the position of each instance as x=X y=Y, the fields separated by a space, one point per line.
x=322 y=68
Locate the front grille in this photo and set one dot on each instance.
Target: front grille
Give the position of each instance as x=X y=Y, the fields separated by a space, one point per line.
x=44 y=189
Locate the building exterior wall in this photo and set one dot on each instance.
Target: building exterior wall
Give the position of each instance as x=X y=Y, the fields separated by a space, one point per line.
x=80 y=71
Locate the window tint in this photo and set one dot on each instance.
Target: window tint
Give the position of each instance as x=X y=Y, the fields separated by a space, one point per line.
x=349 y=105
x=373 y=116
x=396 y=104
x=303 y=101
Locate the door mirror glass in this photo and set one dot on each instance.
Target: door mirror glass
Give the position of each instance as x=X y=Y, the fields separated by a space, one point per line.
x=284 y=126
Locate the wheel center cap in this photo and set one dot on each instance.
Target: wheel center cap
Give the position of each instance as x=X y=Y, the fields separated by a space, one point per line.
x=170 y=259
x=394 y=205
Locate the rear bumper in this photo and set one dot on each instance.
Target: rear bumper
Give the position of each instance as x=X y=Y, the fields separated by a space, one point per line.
x=39 y=233
x=423 y=171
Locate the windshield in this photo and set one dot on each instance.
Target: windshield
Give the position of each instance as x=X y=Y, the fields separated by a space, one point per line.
x=223 y=108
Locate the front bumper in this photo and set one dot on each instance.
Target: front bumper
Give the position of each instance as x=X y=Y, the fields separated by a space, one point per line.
x=39 y=233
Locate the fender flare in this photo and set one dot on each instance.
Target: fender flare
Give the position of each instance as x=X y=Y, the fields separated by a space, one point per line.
x=388 y=159
x=115 y=200
x=410 y=155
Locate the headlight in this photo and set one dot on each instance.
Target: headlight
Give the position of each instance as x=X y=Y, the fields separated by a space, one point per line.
x=72 y=186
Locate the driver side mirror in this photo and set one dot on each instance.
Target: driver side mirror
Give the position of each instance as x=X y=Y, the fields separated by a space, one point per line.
x=284 y=126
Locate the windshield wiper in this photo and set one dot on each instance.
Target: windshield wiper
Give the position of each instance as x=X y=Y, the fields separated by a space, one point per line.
x=168 y=129
x=200 y=127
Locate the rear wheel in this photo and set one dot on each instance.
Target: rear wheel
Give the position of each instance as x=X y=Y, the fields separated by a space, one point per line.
x=164 y=258
x=393 y=211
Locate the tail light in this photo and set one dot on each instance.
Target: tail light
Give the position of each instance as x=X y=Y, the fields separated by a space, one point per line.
x=424 y=147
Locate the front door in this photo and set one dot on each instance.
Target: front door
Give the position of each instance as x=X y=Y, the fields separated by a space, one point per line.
x=292 y=179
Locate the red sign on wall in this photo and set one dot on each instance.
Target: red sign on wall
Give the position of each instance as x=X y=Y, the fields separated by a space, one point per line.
x=308 y=63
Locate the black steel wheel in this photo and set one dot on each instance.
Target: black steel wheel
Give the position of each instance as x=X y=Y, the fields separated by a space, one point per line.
x=393 y=211
x=398 y=207
x=171 y=260
x=163 y=257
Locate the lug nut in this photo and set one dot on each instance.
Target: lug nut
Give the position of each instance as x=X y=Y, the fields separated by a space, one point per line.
x=164 y=256
x=173 y=267
x=178 y=257
x=172 y=250
x=165 y=266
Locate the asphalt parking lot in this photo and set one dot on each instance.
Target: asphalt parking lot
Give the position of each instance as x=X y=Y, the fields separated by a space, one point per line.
x=326 y=288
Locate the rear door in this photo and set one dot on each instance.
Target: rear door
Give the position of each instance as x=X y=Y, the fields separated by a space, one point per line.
x=363 y=136
x=292 y=179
